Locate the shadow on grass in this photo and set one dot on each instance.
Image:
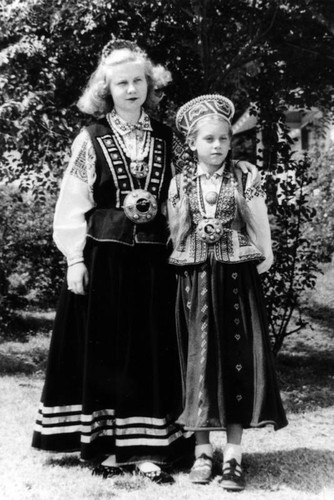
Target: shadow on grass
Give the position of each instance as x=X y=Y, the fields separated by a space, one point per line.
x=26 y=324
x=300 y=469
x=126 y=480
x=65 y=461
x=306 y=380
x=319 y=315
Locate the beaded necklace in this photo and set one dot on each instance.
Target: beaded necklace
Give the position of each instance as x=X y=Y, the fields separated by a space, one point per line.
x=136 y=150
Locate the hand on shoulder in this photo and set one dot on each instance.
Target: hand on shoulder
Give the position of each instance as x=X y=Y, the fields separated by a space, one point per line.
x=249 y=168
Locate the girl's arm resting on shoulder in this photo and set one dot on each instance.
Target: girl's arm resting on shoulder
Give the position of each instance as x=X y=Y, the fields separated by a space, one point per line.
x=75 y=200
x=249 y=168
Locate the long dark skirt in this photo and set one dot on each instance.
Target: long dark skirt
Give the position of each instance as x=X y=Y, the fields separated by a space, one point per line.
x=227 y=366
x=113 y=383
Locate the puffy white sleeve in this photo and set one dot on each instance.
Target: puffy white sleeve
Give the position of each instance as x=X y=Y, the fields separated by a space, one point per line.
x=259 y=229
x=75 y=200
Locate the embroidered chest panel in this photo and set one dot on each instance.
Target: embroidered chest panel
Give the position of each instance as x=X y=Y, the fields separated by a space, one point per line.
x=226 y=202
x=119 y=167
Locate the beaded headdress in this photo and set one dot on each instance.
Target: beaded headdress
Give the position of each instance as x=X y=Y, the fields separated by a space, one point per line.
x=205 y=105
x=118 y=44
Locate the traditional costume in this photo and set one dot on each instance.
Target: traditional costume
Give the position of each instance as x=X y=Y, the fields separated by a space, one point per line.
x=226 y=361
x=113 y=381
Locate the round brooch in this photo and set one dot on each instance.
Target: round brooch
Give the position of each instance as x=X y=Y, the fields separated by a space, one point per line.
x=211 y=197
x=210 y=230
x=140 y=206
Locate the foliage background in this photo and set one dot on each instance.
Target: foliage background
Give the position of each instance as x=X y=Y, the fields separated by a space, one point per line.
x=267 y=54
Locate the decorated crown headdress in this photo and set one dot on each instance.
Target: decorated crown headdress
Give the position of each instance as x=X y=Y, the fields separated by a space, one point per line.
x=205 y=105
x=119 y=44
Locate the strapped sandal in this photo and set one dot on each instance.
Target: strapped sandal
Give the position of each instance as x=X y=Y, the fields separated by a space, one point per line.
x=107 y=471
x=233 y=478
x=201 y=471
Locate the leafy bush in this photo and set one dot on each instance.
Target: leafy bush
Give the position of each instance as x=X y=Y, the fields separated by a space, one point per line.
x=254 y=52
x=321 y=230
x=295 y=266
x=31 y=267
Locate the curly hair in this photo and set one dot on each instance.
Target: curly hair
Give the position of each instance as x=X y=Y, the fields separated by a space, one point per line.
x=96 y=99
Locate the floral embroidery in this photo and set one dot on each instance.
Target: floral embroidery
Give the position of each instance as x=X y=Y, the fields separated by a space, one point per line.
x=123 y=127
x=173 y=199
x=78 y=170
x=78 y=166
x=253 y=192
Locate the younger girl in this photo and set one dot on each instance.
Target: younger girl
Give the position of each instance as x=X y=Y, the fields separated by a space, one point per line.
x=221 y=237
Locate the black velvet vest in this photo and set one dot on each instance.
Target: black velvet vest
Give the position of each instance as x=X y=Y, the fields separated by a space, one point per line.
x=107 y=222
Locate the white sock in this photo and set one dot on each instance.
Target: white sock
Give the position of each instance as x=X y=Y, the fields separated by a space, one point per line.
x=203 y=448
x=233 y=451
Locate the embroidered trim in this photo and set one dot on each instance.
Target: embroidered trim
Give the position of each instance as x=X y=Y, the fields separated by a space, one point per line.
x=144 y=123
x=118 y=165
x=173 y=199
x=254 y=192
x=79 y=165
x=180 y=156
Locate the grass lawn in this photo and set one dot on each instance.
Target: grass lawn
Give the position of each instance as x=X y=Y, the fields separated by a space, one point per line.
x=295 y=463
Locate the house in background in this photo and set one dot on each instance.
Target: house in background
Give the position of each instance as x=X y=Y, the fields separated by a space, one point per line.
x=306 y=129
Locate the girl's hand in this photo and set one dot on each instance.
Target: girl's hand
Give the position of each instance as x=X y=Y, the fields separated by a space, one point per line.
x=77 y=278
x=246 y=168
x=265 y=265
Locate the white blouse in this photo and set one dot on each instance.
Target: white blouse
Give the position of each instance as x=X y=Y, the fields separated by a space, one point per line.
x=75 y=200
x=210 y=183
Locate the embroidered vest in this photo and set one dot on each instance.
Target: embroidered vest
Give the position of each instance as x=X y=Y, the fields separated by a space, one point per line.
x=234 y=244
x=107 y=221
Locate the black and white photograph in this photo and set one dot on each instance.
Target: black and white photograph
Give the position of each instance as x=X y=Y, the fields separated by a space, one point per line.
x=166 y=249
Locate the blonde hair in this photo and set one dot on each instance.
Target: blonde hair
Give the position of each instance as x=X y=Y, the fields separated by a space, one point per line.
x=180 y=226
x=96 y=99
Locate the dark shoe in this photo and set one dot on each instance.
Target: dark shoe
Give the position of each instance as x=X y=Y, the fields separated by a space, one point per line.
x=106 y=471
x=201 y=471
x=157 y=476
x=233 y=477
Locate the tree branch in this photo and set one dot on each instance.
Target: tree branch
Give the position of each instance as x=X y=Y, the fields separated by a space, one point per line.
x=246 y=49
x=310 y=51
